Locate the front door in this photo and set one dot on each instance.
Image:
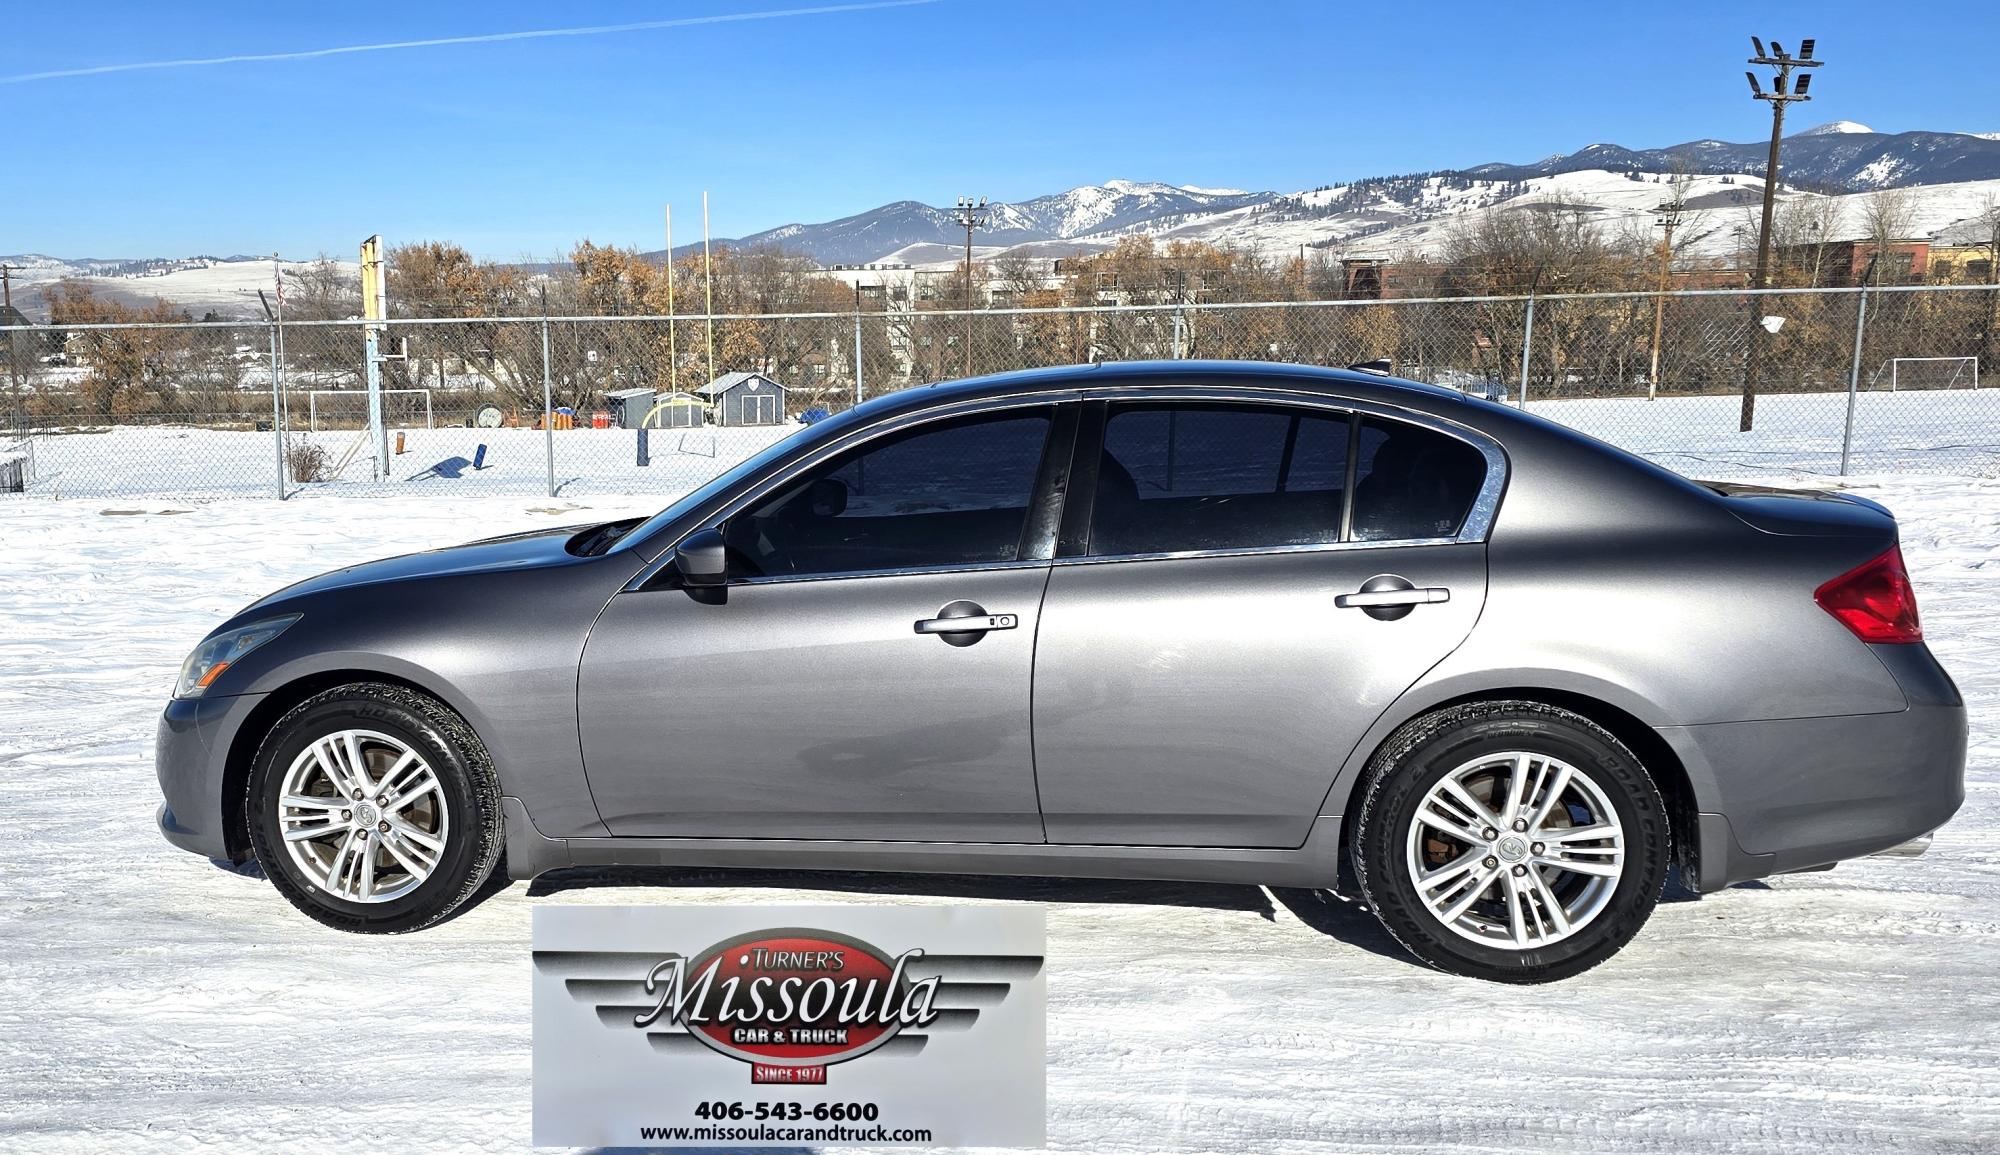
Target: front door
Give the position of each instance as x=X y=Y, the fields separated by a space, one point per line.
x=1230 y=623
x=828 y=692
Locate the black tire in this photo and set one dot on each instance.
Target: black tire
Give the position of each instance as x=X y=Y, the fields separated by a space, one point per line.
x=474 y=837
x=1422 y=752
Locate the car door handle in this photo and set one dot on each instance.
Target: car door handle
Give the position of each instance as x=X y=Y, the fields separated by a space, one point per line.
x=1389 y=597
x=963 y=623
x=1379 y=598
x=971 y=623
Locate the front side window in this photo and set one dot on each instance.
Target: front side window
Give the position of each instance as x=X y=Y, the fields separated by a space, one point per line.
x=1206 y=476
x=953 y=492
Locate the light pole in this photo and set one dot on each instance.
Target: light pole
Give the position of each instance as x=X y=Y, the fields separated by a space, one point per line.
x=971 y=215
x=1782 y=93
x=1668 y=217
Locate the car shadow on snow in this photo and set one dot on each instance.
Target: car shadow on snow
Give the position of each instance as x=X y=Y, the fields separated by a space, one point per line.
x=1346 y=920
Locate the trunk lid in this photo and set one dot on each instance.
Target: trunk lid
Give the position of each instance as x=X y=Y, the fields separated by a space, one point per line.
x=1806 y=512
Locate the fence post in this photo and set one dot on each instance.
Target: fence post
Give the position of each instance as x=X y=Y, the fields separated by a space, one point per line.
x=1854 y=376
x=1179 y=330
x=277 y=401
x=1527 y=352
x=548 y=410
x=857 y=342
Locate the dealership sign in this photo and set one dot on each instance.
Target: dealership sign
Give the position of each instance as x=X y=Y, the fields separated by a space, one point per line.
x=752 y=1025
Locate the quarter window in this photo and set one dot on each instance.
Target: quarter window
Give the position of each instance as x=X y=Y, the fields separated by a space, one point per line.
x=949 y=493
x=1412 y=482
x=1202 y=477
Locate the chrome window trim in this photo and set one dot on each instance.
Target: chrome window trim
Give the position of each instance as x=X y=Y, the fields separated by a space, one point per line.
x=1257 y=550
x=851 y=440
x=1478 y=525
x=914 y=571
x=1478 y=520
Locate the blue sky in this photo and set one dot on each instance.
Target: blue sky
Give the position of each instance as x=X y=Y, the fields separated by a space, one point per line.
x=523 y=146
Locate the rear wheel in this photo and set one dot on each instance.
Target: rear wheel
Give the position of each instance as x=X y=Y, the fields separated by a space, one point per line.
x=1511 y=841
x=374 y=808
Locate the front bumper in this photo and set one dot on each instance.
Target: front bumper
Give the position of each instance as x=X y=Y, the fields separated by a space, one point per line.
x=191 y=755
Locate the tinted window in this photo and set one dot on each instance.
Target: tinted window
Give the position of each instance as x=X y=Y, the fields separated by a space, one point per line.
x=1186 y=477
x=1412 y=482
x=949 y=493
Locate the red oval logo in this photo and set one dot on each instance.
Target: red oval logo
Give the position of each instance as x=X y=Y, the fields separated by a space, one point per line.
x=791 y=997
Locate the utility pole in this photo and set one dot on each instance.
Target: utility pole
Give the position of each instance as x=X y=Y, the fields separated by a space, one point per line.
x=673 y=351
x=707 y=286
x=1782 y=93
x=1668 y=217
x=971 y=215
x=13 y=339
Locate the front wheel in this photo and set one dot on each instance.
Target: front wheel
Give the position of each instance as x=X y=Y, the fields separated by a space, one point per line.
x=374 y=808
x=1510 y=841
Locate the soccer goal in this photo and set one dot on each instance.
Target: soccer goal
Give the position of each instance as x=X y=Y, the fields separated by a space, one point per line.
x=1927 y=373
x=348 y=408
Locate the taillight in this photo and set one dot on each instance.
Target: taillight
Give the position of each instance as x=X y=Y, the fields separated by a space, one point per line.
x=1874 y=600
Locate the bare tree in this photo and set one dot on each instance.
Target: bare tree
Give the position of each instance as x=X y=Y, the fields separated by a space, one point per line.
x=1988 y=219
x=1886 y=217
x=1803 y=226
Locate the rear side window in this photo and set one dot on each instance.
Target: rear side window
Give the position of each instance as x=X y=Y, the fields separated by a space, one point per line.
x=1203 y=477
x=1412 y=482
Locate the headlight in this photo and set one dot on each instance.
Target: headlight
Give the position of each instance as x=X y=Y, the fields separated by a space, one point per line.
x=221 y=651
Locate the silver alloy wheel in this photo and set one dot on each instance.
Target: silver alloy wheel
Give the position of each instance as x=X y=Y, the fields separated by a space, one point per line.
x=363 y=816
x=1516 y=850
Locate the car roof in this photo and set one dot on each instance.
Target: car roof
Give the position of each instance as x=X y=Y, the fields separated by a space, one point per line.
x=1115 y=374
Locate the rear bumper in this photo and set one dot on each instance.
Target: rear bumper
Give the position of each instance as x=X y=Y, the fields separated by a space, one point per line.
x=190 y=755
x=1797 y=793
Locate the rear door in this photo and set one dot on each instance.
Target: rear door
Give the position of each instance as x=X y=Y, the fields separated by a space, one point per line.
x=1246 y=588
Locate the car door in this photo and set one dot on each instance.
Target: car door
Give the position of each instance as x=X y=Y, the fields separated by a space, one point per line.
x=1250 y=585
x=826 y=692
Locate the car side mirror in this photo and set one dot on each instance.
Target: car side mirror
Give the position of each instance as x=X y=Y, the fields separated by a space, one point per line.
x=702 y=559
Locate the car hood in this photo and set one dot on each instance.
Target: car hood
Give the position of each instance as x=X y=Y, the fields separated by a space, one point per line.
x=535 y=549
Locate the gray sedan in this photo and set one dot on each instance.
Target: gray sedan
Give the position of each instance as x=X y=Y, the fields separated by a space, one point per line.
x=1207 y=621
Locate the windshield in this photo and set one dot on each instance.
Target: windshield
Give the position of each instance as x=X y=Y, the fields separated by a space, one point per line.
x=748 y=467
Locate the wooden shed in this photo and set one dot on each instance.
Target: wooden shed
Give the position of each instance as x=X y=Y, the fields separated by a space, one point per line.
x=745 y=399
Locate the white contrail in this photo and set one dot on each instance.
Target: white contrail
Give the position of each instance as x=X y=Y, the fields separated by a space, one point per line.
x=489 y=38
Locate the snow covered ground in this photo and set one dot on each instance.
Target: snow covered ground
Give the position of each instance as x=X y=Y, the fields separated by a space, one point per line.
x=152 y=1001
x=1798 y=435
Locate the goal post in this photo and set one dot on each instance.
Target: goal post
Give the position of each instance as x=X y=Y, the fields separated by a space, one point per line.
x=313 y=396
x=1928 y=373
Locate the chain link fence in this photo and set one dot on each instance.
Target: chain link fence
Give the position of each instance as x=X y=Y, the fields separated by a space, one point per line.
x=1846 y=381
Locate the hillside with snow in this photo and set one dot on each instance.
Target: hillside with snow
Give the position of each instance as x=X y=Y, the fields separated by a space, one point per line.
x=1949 y=178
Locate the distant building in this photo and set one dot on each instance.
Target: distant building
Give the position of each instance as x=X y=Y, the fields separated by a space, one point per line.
x=745 y=399
x=1841 y=264
x=1961 y=264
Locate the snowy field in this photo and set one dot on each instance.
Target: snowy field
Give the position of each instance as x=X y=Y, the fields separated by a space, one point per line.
x=96 y=461
x=154 y=1002
x=1797 y=436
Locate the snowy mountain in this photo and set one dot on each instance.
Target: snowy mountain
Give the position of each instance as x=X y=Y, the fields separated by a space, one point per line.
x=1838 y=157
x=1112 y=207
x=1841 y=157
x=1950 y=175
